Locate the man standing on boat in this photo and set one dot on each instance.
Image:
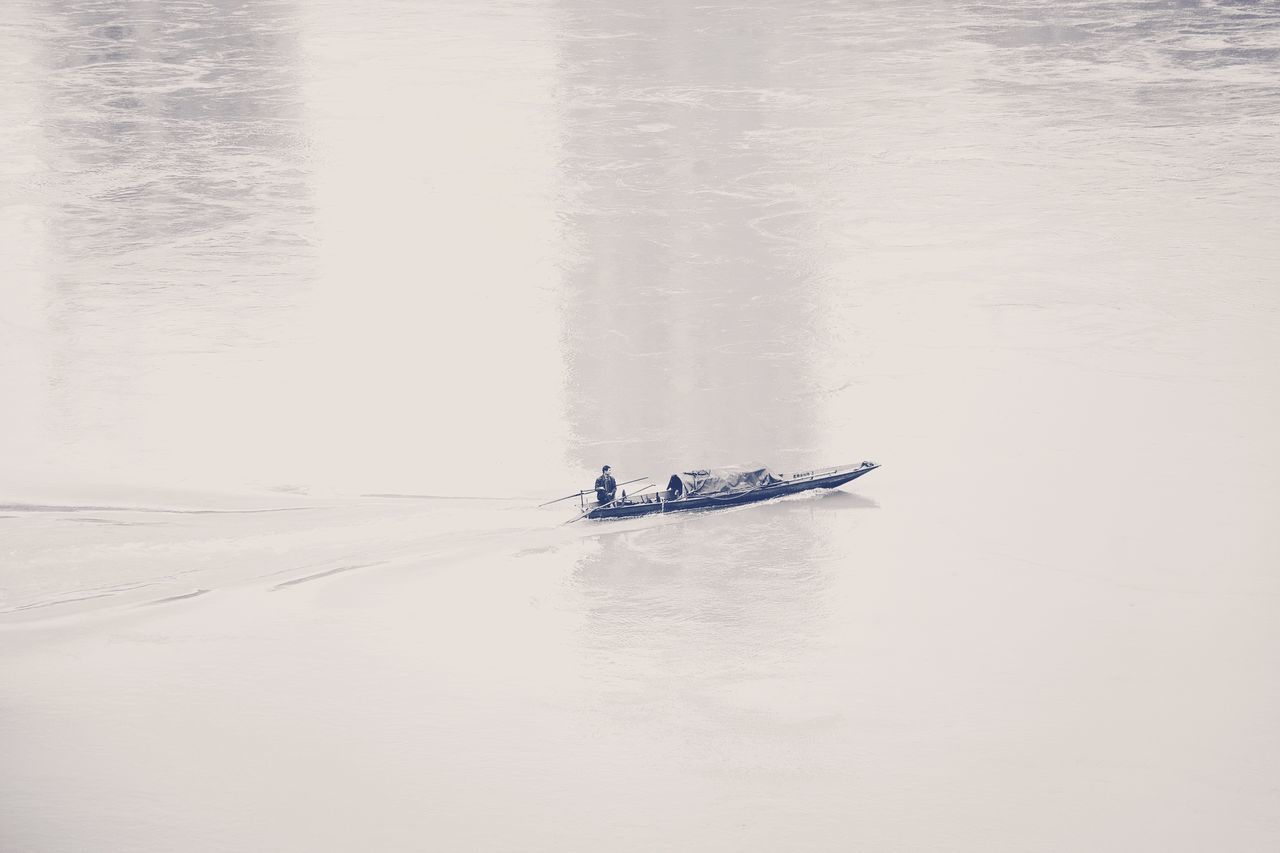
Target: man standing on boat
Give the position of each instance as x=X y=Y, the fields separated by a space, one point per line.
x=606 y=486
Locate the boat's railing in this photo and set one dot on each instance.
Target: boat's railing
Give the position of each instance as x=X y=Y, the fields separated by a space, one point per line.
x=818 y=473
x=666 y=496
x=790 y=480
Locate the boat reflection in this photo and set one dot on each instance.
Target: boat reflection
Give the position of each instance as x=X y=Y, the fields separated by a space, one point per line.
x=686 y=611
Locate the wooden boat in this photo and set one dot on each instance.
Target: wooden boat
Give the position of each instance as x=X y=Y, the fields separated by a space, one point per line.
x=721 y=487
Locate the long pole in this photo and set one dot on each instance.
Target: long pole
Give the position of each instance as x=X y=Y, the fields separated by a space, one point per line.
x=603 y=505
x=589 y=491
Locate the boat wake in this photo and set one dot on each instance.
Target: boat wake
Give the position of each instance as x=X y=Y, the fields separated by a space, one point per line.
x=61 y=567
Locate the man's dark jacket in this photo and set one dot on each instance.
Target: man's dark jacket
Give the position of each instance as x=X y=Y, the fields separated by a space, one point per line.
x=606 y=486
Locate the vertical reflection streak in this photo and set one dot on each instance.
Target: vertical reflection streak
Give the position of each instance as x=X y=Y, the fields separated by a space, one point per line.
x=179 y=218
x=695 y=155
x=688 y=306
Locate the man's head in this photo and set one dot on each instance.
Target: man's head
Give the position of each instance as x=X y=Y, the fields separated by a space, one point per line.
x=605 y=469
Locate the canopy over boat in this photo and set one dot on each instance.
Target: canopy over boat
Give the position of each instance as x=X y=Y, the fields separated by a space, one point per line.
x=720 y=482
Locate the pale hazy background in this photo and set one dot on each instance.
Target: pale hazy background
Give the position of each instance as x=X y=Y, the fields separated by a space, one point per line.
x=304 y=305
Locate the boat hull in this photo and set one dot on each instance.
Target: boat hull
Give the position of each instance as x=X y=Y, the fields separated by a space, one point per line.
x=827 y=478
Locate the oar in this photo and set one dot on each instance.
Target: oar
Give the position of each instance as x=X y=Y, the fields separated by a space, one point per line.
x=610 y=503
x=588 y=491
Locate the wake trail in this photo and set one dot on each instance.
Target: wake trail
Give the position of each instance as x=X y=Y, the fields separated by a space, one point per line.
x=134 y=556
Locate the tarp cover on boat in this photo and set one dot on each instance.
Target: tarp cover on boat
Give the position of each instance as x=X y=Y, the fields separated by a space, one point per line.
x=720 y=482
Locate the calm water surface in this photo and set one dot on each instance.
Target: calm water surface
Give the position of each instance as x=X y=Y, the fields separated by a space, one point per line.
x=305 y=305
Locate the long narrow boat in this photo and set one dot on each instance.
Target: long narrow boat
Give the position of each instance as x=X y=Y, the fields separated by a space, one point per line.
x=721 y=487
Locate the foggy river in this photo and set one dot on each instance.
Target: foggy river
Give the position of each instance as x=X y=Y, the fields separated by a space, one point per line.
x=305 y=306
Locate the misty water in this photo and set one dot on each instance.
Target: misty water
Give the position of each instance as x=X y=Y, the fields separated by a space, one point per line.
x=305 y=306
